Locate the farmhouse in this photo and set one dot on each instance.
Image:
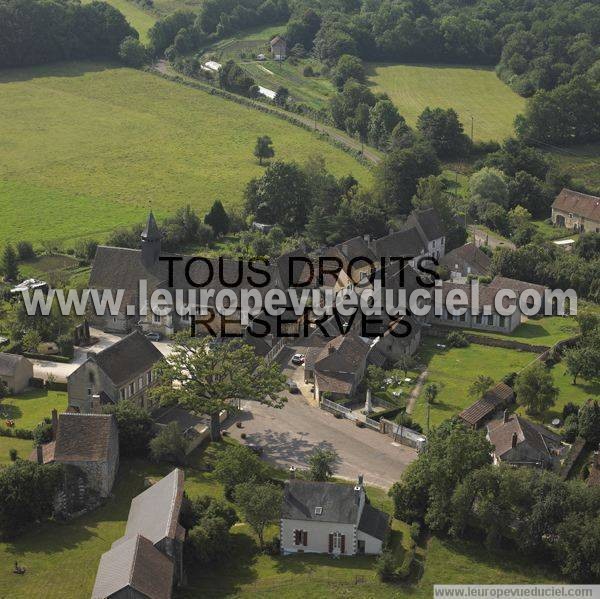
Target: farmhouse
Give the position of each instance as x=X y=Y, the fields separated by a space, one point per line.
x=478 y=413
x=86 y=442
x=519 y=442
x=148 y=559
x=466 y=260
x=15 y=372
x=577 y=211
x=122 y=371
x=278 y=47
x=319 y=517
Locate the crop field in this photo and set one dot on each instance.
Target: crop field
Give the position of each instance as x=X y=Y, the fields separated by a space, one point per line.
x=472 y=92
x=90 y=147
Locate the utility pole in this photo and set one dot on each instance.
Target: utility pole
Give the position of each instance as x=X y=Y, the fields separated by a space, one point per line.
x=472 y=125
x=428 y=410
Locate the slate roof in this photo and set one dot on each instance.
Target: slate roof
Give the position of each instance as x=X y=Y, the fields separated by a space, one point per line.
x=184 y=418
x=151 y=230
x=301 y=497
x=154 y=513
x=136 y=564
x=9 y=363
x=374 y=522
x=470 y=255
x=278 y=39
x=341 y=383
x=84 y=437
x=578 y=203
x=344 y=354
x=407 y=242
x=127 y=358
x=429 y=222
x=517 y=286
x=487 y=294
x=534 y=436
x=499 y=395
x=355 y=248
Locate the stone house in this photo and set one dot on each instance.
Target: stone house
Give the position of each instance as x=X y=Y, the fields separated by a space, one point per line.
x=520 y=442
x=466 y=260
x=394 y=342
x=86 y=442
x=15 y=372
x=148 y=559
x=430 y=229
x=321 y=517
x=124 y=370
x=278 y=48
x=577 y=211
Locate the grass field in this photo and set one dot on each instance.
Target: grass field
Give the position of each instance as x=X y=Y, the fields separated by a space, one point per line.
x=139 y=18
x=30 y=408
x=472 y=92
x=88 y=147
x=582 y=163
x=23 y=447
x=453 y=370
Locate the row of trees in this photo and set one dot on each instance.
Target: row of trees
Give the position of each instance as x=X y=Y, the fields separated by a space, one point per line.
x=452 y=488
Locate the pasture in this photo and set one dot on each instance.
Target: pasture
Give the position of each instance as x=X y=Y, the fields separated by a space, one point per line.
x=582 y=163
x=472 y=92
x=89 y=147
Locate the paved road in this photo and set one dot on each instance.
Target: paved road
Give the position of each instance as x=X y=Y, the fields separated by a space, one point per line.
x=483 y=237
x=290 y=434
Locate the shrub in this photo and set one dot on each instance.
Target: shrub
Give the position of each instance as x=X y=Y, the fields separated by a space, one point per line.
x=135 y=428
x=403 y=572
x=570 y=408
x=206 y=506
x=385 y=566
x=42 y=433
x=169 y=445
x=209 y=542
x=25 y=250
x=13 y=454
x=308 y=71
x=457 y=339
x=237 y=465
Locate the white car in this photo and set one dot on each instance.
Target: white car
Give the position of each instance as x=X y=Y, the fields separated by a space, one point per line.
x=298 y=359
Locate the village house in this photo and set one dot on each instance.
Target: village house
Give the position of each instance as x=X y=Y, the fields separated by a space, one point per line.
x=15 y=372
x=321 y=517
x=124 y=370
x=88 y=443
x=148 y=559
x=278 y=48
x=428 y=225
x=481 y=411
x=577 y=211
x=466 y=260
x=520 y=442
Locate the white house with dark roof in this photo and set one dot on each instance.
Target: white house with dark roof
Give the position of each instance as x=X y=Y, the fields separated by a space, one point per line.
x=321 y=517
x=576 y=211
x=124 y=370
x=466 y=260
x=148 y=559
x=15 y=372
x=430 y=229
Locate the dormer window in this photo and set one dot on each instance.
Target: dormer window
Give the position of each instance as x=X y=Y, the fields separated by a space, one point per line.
x=318 y=511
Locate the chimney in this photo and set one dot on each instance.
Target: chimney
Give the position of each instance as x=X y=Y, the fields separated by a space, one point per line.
x=514 y=440
x=357 y=493
x=331 y=349
x=506 y=416
x=360 y=479
x=54 y=424
x=95 y=405
x=292 y=471
x=40 y=454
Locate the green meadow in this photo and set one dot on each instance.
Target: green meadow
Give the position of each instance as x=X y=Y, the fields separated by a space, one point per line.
x=138 y=17
x=472 y=92
x=89 y=147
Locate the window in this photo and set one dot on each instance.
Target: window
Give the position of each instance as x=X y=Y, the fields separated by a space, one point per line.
x=463 y=317
x=478 y=319
x=122 y=393
x=140 y=383
x=490 y=320
x=318 y=511
x=131 y=389
x=156 y=318
x=502 y=321
x=337 y=543
x=149 y=376
x=300 y=537
x=89 y=391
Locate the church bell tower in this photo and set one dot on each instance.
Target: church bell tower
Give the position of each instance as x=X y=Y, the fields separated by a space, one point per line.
x=151 y=239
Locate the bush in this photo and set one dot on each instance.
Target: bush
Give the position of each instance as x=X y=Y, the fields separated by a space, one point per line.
x=273 y=547
x=570 y=408
x=135 y=428
x=385 y=566
x=308 y=71
x=13 y=454
x=132 y=52
x=403 y=572
x=237 y=465
x=209 y=542
x=457 y=339
x=42 y=433
x=25 y=250
x=206 y=506
x=169 y=445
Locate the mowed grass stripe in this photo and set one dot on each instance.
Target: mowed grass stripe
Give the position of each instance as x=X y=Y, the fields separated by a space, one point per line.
x=470 y=91
x=120 y=140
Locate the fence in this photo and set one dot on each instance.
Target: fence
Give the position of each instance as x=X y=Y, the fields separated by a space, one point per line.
x=326 y=404
x=403 y=434
x=372 y=423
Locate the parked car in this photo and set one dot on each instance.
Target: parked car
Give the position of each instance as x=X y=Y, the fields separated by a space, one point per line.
x=298 y=359
x=293 y=388
x=152 y=336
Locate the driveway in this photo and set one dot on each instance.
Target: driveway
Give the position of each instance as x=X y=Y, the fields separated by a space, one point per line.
x=289 y=435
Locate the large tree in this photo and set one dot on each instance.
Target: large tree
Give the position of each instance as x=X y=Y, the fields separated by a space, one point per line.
x=263 y=148
x=217 y=218
x=8 y=264
x=260 y=504
x=535 y=388
x=207 y=377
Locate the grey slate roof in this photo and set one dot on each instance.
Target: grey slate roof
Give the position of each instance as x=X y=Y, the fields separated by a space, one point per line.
x=374 y=522
x=429 y=222
x=407 y=242
x=134 y=564
x=301 y=497
x=9 y=363
x=154 y=513
x=127 y=358
x=356 y=248
x=470 y=255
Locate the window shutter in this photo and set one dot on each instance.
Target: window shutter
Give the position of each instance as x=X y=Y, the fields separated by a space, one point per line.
x=296 y=535
x=330 y=542
x=304 y=538
x=343 y=545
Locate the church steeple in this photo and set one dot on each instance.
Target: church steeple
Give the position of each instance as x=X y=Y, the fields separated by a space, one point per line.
x=151 y=238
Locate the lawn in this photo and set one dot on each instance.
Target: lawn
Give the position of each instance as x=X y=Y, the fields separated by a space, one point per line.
x=30 y=408
x=453 y=370
x=472 y=92
x=582 y=163
x=138 y=18
x=89 y=147
x=23 y=447
x=539 y=331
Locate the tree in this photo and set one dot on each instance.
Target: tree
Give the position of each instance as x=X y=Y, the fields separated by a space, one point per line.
x=589 y=422
x=375 y=378
x=480 y=385
x=27 y=492
x=535 y=390
x=579 y=548
x=169 y=445
x=135 y=427
x=42 y=433
x=31 y=340
x=383 y=118
x=260 y=504
x=348 y=67
x=212 y=377
x=322 y=463
x=218 y=219
x=582 y=361
x=210 y=541
x=132 y=52
x=489 y=185
x=237 y=465
x=405 y=363
x=281 y=96
x=442 y=129
x=25 y=250
x=8 y=265
x=264 y=148
x=431 y=392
